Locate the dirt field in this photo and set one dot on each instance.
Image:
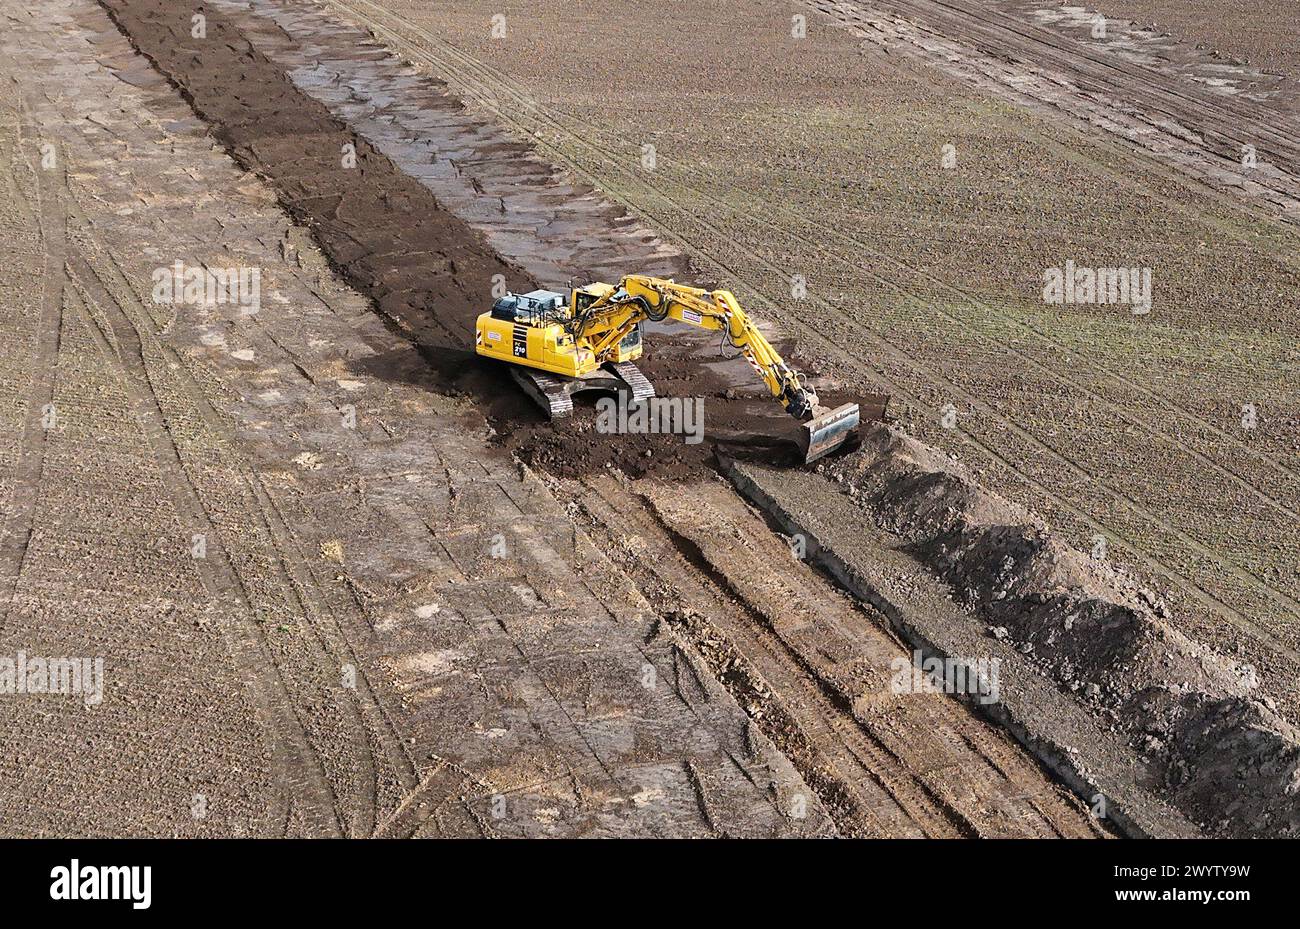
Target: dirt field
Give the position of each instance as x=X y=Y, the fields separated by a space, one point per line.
x=399 y=603
x=327 y=600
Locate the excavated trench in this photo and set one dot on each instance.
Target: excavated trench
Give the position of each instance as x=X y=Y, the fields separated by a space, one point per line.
x=1096 y=682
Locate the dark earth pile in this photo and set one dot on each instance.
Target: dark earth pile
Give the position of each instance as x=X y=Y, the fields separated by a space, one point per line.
x=1229 y=760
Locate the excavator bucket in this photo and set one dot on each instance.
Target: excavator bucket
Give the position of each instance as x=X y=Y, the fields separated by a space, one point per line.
x=829 y=430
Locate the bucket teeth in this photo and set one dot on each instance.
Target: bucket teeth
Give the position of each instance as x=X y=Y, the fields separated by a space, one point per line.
x=829 y=430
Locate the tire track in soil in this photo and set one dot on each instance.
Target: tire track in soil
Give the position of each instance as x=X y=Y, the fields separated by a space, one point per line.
x=124 y=348
x=26 y=476
x=371 y=722
x=1194 y=133
x=1012 y=38
x=368 y=713
x=307 y=793
x=494 y=86
x=862 y=802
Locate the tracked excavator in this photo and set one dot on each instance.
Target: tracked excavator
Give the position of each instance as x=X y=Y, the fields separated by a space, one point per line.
x=557 y=347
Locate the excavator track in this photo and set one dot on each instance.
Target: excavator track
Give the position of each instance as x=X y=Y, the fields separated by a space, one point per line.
x=550 y=392
x=636 y=385
x=555 y=394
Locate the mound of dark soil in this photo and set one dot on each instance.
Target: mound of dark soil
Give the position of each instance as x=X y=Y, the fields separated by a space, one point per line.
x=1230 y=762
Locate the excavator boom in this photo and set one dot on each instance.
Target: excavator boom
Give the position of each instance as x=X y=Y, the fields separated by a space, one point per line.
x=639 y=297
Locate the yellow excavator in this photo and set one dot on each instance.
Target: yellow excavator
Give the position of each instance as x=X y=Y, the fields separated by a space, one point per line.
x=556 y=348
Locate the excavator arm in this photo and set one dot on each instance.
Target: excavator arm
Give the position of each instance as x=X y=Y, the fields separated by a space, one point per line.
x=604 y=323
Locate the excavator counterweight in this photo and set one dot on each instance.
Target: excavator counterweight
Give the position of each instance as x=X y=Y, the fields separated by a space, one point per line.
x=557 y=348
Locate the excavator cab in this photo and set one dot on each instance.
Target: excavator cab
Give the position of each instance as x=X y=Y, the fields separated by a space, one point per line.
x=629 y=348
x=584 y=297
